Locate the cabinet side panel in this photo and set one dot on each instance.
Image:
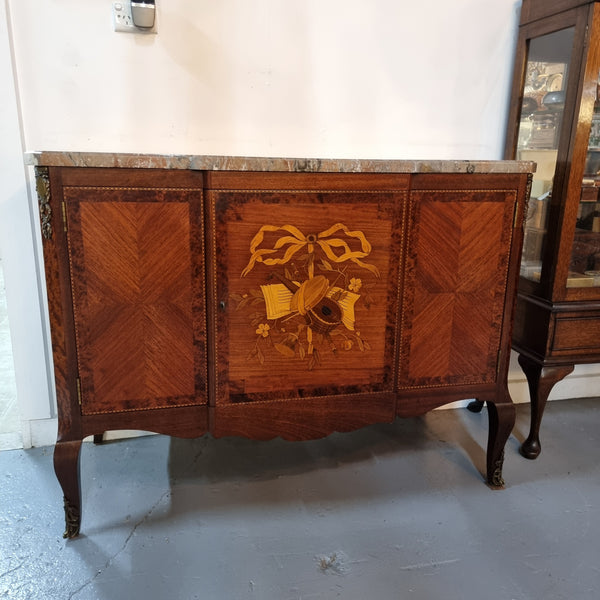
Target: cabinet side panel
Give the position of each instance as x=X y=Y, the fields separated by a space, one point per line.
x=58 y=289
x=455 y=289
x=138 y=297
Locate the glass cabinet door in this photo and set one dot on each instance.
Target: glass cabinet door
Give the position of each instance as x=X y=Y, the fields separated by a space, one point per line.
x=546 y=75
x=584 y=266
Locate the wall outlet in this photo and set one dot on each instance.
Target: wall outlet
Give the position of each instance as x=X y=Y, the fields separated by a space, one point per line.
x=123 y=21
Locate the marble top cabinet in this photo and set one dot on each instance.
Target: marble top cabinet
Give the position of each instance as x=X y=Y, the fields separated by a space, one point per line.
x=275 y=297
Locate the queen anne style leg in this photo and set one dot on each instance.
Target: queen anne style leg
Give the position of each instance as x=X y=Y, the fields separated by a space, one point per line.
x=541 y=380
x=66 y=467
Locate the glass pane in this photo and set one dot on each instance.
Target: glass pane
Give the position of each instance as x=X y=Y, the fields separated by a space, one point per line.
x=546 y=76
x=584 y=268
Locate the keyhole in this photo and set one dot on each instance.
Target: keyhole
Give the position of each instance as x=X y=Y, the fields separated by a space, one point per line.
x=325 y=310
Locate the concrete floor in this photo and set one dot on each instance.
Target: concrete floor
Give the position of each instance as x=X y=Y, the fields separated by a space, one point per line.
x=10 y=426
x=394 y=511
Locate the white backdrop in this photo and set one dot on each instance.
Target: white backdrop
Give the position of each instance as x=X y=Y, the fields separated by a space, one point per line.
x=374 y=78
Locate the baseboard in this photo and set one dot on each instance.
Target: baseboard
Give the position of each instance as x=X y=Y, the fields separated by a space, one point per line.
x=11 y=441
x=584 y=382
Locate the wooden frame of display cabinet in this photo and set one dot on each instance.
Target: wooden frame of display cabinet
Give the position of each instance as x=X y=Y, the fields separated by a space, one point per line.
x=196 y=297
x=557 y=322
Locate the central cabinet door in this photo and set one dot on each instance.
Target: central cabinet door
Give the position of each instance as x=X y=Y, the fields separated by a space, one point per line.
x=306 y=273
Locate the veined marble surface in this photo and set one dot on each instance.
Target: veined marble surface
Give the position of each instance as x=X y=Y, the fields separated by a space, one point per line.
x=244 y=163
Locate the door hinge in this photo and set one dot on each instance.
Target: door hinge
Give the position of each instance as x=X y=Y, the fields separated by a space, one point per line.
x=79 y=391
x=64 y=215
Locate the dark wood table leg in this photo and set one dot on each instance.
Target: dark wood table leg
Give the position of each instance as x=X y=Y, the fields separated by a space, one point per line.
x=501 y=422
x=475 y=406
x=541 y=380
x=66 y=467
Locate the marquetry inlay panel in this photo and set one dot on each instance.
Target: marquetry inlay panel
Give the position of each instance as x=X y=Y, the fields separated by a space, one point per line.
x=310 y=280
x=137 y=297
x=455 y=287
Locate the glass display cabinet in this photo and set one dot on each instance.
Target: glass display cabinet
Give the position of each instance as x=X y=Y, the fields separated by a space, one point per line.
x=554 y=120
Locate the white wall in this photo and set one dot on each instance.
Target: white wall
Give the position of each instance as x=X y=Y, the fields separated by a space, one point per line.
x=375 y=78
x=19 y=248
x=343 y=78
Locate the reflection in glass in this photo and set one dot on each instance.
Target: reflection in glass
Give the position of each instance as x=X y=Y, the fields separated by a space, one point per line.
x=539 y=130
x=584 y=268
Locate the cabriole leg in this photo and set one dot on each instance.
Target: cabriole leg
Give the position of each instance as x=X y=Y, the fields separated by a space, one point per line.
x=501 y=422
x=66 y=467
x=541 y=380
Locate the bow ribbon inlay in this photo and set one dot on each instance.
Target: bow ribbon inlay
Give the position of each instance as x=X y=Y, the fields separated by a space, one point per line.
x=335 y=249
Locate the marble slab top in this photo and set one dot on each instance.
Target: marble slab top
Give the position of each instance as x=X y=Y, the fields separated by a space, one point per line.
x=243 y=163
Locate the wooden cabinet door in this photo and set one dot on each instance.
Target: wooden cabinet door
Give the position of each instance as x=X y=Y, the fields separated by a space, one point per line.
x=306 y=277
x=455 y=304
x=135 y=248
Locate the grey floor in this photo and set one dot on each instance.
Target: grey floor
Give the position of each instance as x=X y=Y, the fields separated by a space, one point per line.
x=394 y=511
x=10 y=425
